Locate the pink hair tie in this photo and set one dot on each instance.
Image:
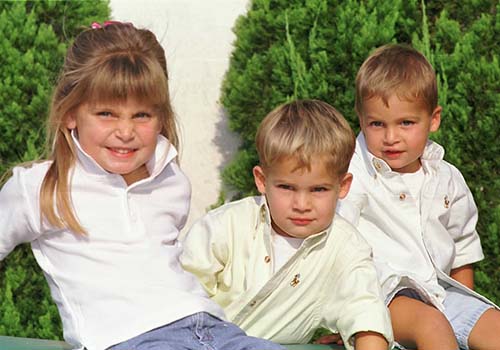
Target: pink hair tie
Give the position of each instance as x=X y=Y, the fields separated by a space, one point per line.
x=97 y=25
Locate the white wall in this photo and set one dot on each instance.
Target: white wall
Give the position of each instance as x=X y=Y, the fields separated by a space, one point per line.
x=197 y=38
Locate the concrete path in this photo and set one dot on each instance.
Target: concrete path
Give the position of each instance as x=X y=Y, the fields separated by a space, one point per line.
x=197 y=37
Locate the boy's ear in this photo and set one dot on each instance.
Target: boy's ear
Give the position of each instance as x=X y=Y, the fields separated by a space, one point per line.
x=259 y=178
x=436 y=119
x=345 y=185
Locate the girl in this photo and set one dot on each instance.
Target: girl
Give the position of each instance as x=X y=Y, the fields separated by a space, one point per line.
x=104 y=211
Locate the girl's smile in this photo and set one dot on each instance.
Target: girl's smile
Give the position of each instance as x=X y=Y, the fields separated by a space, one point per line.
x=121 y=136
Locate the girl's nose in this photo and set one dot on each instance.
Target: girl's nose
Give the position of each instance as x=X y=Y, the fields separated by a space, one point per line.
x=125 y=129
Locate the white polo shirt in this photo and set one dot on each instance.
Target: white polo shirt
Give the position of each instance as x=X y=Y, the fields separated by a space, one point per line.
x=415 y=241
x=123 y=278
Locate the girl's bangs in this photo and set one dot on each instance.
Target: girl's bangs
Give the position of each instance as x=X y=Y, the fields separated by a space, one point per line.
x=121 y=77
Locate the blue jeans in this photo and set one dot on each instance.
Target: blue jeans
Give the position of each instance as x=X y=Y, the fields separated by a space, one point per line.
x=200 y=331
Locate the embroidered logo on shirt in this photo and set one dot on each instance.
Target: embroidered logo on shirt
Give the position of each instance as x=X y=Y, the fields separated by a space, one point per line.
x=296 y=280
x=446 y=202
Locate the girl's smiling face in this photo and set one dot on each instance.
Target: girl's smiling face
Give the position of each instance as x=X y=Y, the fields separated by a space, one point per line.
x=120 y=136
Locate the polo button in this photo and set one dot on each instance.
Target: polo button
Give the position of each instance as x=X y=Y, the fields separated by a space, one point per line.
x=252 y=304
x=267 y=259
x=402 y=196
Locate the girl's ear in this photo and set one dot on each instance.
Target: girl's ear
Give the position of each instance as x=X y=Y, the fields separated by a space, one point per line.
x=70 y=121
x=260 y=179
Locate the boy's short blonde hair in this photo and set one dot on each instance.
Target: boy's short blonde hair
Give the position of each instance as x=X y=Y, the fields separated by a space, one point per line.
x=304 y=130
x=396 y=69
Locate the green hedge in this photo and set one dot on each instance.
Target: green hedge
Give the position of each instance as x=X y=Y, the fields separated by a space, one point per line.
x=33 y=40
x=289 y=49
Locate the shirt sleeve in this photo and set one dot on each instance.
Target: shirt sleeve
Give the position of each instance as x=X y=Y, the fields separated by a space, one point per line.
x=462 y=223
x=202 y=255
x=357 y=305
x=19 y=215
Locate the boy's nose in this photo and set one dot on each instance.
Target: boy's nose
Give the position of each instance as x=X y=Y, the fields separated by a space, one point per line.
x=390 y=135
x=301 y=201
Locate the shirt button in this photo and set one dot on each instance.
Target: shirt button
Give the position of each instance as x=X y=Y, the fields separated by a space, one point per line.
x=252 y=304
x=402 y=196
x=267 y=259
x=376 y=164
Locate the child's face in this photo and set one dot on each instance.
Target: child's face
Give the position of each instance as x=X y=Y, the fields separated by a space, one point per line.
x=398 y=133
x=302 y=202
x=120 y=137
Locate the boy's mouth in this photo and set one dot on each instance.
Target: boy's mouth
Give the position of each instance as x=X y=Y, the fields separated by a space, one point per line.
x=391 y=154
x=301 y=221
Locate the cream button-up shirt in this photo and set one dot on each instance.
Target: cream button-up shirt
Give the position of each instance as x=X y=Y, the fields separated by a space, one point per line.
x=414 y=246
x=329 y=282
x=124 y=277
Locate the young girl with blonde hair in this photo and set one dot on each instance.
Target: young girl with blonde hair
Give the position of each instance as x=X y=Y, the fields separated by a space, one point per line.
x=103 y=212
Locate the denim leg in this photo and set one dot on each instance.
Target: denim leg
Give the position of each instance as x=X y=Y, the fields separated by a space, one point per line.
x=220 y=335
x=200 y=331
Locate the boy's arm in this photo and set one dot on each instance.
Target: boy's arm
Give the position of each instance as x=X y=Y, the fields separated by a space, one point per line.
x=464 y=275
x=357 y=305
x=461 y=223
x=370 y=341
x=202 y=254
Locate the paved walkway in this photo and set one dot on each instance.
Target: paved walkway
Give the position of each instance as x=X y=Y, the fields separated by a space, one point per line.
x=197 y=37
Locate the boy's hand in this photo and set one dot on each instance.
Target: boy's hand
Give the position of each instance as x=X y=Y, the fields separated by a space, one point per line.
x=370 y=341
x=333 y=338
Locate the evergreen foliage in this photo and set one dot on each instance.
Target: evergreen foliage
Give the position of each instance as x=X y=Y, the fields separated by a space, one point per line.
x=288 y=49
x=34 y=38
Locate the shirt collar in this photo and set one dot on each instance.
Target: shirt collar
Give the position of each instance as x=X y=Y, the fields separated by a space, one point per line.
x=164 y=153
x=433 y=154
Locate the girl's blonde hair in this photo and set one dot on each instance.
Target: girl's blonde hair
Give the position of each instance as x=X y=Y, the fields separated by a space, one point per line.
x=396 y=69
x=305 y=130
x=105 y=64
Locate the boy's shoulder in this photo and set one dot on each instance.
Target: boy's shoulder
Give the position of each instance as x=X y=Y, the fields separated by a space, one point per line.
x=246 y=209
x=343 y=232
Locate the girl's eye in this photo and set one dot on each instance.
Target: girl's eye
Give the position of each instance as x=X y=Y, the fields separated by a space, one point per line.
x=142 y=115
x=104 y=114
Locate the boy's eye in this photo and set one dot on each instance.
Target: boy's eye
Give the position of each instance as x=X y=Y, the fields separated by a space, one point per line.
x=285 y=187
x=407 y=122
x=319 y=189
x=376 y=124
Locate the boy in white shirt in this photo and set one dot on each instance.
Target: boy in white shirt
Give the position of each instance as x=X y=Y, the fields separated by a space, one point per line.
x=283 y=264
x=415 y=209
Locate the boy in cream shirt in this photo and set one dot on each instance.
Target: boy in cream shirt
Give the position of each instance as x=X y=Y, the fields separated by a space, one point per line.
x=283 y=264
